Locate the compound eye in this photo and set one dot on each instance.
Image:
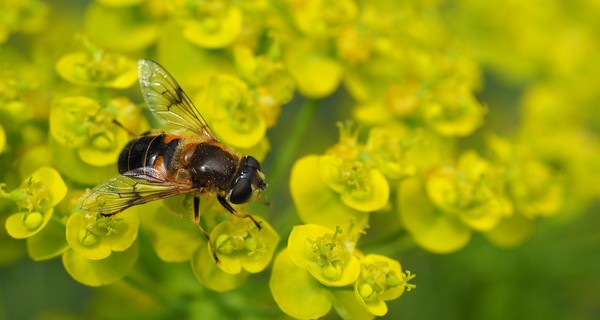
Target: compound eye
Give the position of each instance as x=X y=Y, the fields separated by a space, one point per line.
x=252 y=162
x=241 y=191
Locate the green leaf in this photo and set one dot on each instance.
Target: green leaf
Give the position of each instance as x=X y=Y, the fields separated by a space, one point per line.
x=100 y=272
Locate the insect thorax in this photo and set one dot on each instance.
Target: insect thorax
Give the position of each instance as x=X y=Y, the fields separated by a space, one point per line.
x=212 y=167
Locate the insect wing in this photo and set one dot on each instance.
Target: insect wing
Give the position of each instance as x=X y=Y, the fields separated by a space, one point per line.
x=134 y=187
x=169 y=103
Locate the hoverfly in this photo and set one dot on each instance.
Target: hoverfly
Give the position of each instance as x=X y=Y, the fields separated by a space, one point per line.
x=187 y=158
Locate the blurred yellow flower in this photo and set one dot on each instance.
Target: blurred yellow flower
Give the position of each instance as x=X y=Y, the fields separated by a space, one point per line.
x=96 y=68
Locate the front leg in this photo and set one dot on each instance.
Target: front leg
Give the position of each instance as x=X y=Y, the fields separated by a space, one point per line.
x=197 y=223
x=229 y=208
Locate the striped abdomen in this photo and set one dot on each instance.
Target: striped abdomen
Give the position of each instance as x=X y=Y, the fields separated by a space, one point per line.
x=149 y=150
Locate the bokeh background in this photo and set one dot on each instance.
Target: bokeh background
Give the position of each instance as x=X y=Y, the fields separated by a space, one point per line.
x=523 y=70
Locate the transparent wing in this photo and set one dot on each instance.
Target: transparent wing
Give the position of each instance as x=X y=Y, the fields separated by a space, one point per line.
x=168 y=102
x=134 y=187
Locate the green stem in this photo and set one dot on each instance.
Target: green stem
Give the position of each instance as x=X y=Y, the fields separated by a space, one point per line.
x=393 y=243
x=58 y=220
x=284 y=220
x=3 y=313
x=103 y=95
x=290 y=149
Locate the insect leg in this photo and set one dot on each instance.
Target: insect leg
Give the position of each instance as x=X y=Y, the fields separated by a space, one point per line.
x=115 y=121
x=229 y=208
x=197 y=223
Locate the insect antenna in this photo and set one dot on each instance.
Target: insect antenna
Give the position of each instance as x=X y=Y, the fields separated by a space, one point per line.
x=264 y=201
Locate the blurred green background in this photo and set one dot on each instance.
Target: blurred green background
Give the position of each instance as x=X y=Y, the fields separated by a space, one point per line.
x=520 y=49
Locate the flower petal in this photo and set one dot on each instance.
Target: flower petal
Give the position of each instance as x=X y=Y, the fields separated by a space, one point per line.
x=100 y=272
x=303 y=235
x=211 y=275
x=48 y=243
x=296 y=292
x=317 y=202
x=432 y=230
x=22 y=225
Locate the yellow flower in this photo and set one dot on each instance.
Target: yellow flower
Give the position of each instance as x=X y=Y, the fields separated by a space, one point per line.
x=317 y=75
x=388 y=146
x=2 y=139
x=442 y=211
x=81 y=123
x=432 y=229
x=96 y=68
x=296 y=291
x=453 y=112
x=37 y=196
x=268 y=79
x=95 y=237
x=471 y=191
x=210 y=24
x=241 y=246
x=381 y=279
x=232 y=111
x=313 y=197
x=533 y=187
x=22 y=16
x=322 y=18
x=121 y=25
x=327 y=255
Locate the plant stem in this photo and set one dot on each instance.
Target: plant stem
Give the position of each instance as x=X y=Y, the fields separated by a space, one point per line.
x=289 y=150
x=391 y=244
x=58 y=220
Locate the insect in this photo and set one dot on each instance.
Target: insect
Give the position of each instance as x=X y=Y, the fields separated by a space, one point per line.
x=186 y=158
